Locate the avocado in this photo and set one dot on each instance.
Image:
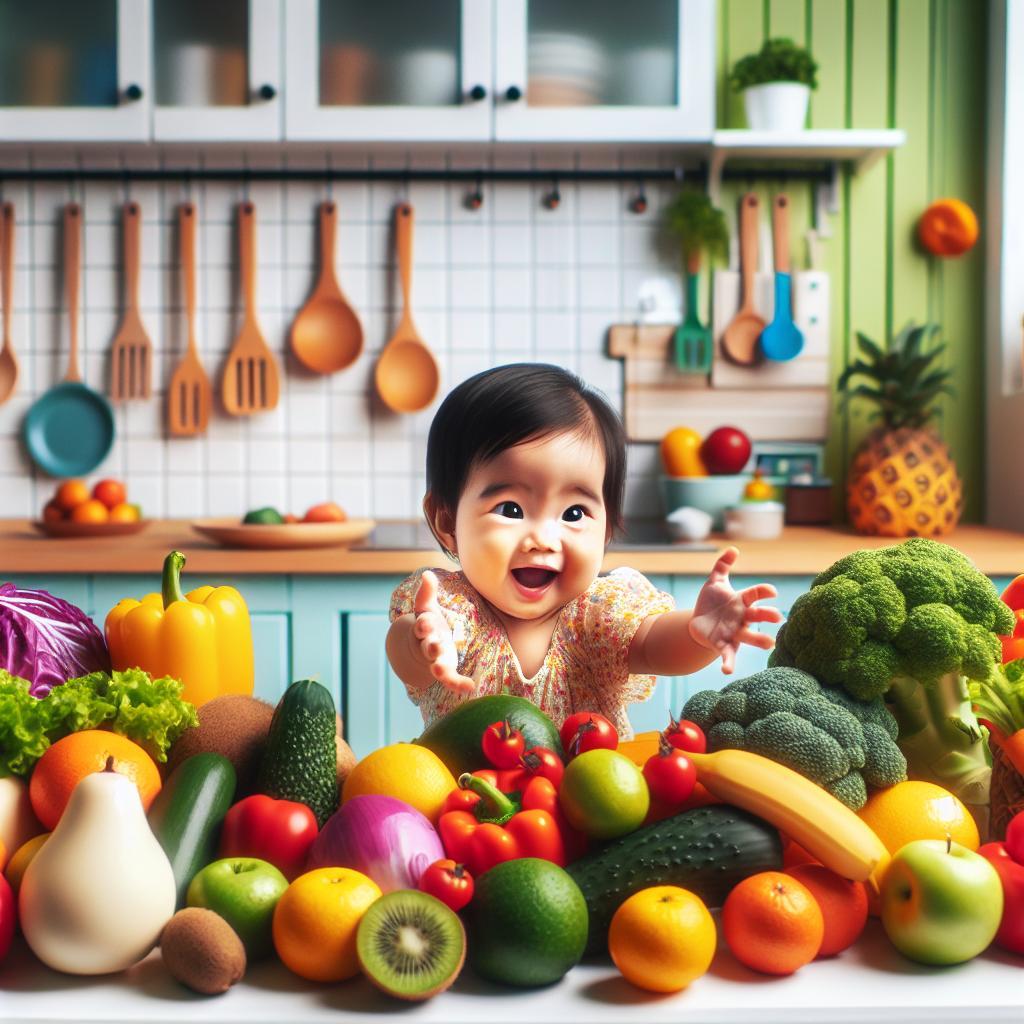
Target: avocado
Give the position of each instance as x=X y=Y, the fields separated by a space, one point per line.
x=264 y=516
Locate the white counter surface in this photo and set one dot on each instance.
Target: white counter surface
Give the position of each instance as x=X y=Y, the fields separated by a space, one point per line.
x=870 y=982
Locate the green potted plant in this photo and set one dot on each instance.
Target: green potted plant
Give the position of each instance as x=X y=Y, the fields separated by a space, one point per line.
x=776 y=83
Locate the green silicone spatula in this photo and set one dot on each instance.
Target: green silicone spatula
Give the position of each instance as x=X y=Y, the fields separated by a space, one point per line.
x=692 y=338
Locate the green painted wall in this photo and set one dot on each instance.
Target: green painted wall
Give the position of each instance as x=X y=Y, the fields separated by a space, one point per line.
x=918 y=65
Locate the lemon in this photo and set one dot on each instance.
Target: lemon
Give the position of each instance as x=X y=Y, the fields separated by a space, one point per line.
x=405 y=771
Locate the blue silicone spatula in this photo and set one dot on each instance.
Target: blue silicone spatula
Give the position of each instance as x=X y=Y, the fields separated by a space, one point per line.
x=781 y=340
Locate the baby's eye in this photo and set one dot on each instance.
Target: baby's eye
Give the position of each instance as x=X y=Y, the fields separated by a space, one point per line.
x=574 y=513
x=509 y=509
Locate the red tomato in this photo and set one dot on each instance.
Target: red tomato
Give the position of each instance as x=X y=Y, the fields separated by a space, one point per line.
x=725 y=450
x=451 y=883
x=587 y=730
x=1011 y=928
x=686 y=736
x=1015 y=838
x=670 y=774
x=545 y=763
x=8 y=913
x=278 y=831
x=502 y=745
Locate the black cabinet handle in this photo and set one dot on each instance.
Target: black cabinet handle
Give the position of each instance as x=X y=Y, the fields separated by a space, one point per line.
x=513 y=93
x=478 y=92
x=267 y=92
x=133 y=92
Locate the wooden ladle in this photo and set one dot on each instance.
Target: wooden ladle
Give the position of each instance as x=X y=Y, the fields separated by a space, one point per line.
x=407 y=375
x=327 y=335
x=8 y=360
x=740 y=338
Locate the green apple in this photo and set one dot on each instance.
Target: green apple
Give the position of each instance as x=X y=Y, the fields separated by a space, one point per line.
x=941 y=902
x=244 y=891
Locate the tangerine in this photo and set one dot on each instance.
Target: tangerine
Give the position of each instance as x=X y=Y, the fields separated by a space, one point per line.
x=70 y=494
x=326 y=512
x=52 y=512
x=918 y=810
x=948 y=227
x=110 y=492
x=70 y=759
x=91 y=511
x=124 y=513
x=772 y=923
x=844 y=905
x=680 y=453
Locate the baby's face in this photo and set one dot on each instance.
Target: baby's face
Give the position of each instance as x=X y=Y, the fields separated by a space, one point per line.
x=531 y=526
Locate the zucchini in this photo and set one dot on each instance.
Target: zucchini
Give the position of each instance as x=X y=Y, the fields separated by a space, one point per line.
x=707 y=850
x=187 y=813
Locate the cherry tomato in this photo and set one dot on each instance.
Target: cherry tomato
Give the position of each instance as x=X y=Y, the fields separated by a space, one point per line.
x=587 y=730
x=451 y=883
x=670 y=774
x=545 y=763
x=502 y=745
x=686 y=736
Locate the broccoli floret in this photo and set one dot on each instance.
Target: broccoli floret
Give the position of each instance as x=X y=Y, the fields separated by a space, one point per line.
x=884 y=763
x=867 y=712
x=785 y=714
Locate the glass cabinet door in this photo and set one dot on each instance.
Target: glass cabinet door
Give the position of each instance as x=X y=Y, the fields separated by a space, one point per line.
x=216 y=69
x=73 y=71
x=601 y=69
x=391 y=69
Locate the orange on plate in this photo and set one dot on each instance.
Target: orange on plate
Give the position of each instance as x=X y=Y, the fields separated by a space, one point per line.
x=70 y=759
x=948 y=227
x=918 y=810
x=662 y=938
x=315 y=922
x=91 y=511
x=772 y=923
x=326 y=512
x=844 y=905
x=110 y=492
x=52 y=512
x=70 y=494
x=125 y=513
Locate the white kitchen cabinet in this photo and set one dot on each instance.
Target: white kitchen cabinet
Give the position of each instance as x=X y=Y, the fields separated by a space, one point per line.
x=74 y=72
x=217 y=70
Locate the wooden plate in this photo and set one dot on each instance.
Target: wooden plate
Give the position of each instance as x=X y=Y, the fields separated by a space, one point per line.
x=67 y=528
x=234 y=534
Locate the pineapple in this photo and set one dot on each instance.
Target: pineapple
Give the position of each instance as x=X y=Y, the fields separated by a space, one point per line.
x=902 y=481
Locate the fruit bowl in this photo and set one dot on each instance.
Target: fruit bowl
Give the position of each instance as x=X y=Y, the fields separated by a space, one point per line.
x=231 y=533
x=711 y=494
x=69 y=528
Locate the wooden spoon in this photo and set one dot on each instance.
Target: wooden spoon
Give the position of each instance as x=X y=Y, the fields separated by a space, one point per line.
x=327 y=335
x=8 y=361
x=250 y=382
x=188 y=396
x=407 y=376
x=740 y=338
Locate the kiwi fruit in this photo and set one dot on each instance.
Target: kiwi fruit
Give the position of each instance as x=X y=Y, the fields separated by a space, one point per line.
x=201 y=950
x=410 y=945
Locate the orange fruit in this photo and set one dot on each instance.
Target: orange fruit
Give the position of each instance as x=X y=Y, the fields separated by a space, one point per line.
x=844 y=905
x=662 y=938
x=91 y=511
x=315 y=922
x=124 y=513
x=326 y=512
x=680 y=453
x=70 y=494
x=772 y=923
x=793 y=853
x=22 y=856
x=948 y=227
x=110 y=492
x=405 y=771
x=69 y=760
x=918 y=810
x=52 y=512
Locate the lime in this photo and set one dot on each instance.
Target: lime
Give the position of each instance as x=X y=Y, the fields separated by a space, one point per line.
x=527 y=923
x=604 y=794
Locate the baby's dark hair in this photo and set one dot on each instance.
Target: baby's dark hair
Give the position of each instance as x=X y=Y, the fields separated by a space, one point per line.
x=500 y=408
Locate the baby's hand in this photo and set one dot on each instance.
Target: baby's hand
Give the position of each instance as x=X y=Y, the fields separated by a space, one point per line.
x=436 y=640
x=722 y=616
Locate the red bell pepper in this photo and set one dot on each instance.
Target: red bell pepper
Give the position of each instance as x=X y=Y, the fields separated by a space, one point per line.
x=1013 y=598
x=278 y=831
x=480 y=826
x=1008 y=859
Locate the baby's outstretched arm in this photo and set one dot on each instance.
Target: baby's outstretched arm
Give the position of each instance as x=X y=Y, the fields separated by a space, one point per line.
x=420 y=645
x=676 y=643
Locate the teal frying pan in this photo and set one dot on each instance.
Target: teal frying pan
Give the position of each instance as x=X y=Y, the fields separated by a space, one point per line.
x=69 y=430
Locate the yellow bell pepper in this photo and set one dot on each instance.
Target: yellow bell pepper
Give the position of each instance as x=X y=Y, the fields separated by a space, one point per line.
x=203 y=639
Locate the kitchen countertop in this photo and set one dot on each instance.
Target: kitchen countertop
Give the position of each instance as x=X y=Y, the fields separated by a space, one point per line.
x=402 y=546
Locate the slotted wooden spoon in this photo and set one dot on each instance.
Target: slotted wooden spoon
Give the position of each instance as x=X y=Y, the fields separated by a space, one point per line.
x=8 y=360
x=740 y=338
x=132 y=356
x=250 y=382
x=188 y=396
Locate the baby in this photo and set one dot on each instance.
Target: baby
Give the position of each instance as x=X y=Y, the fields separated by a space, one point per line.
x=526 y=470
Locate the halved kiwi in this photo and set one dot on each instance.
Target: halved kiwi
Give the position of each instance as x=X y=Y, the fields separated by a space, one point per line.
x=410 y=945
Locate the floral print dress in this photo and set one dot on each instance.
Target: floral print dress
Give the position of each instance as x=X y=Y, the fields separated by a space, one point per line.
x=586 y=666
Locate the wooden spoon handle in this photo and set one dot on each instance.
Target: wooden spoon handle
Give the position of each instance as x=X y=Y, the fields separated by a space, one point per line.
x=7 y=268
x=72 y=271
x=132 y=220
x=780 y=232
x=404 y=219
x=187 y=241
x=247 y=255
x=328 y=229
x=749 y=207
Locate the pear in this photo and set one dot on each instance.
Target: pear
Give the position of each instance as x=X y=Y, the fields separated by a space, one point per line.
x=97 y=895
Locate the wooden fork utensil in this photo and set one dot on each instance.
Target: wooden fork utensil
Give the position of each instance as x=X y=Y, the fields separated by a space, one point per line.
x=131 y=361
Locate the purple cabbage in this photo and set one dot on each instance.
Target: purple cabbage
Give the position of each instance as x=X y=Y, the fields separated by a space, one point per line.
x=46 y=640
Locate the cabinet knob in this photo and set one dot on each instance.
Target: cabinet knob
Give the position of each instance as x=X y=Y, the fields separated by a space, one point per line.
x=477 y=93
x=513 y=93
x=267 y=92
x=133 y=92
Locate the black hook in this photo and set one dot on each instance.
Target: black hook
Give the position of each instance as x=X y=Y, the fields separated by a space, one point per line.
x=554 y=198
x=475 y=199
x=638 y=204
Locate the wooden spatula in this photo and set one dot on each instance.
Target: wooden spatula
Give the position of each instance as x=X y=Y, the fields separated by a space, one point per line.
x=131 y=361
x=250 y=382
x=188 y=396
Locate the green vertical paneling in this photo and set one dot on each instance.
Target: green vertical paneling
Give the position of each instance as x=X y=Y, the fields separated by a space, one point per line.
x=827 y=39
x=787 y=18
x=745 y=27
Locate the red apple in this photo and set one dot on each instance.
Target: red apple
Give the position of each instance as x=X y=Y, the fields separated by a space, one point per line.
x=725 y=450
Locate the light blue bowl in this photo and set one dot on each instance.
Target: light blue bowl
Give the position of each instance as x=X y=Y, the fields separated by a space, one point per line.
x=711 y=494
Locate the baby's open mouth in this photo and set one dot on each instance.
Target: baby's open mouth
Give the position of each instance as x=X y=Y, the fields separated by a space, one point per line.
x=534 y=577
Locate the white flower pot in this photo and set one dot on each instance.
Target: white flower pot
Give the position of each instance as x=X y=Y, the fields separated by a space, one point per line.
x=777 y=106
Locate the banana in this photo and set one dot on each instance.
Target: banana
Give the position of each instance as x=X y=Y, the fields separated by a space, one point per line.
x=808 y=814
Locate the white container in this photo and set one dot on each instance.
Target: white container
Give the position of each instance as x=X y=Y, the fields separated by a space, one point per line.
x=754 y=520
x=777 y=106
x=425 y=78
x=688 y=523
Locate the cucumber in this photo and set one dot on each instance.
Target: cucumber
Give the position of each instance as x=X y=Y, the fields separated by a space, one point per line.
x=707 y=850
x=187 y=813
